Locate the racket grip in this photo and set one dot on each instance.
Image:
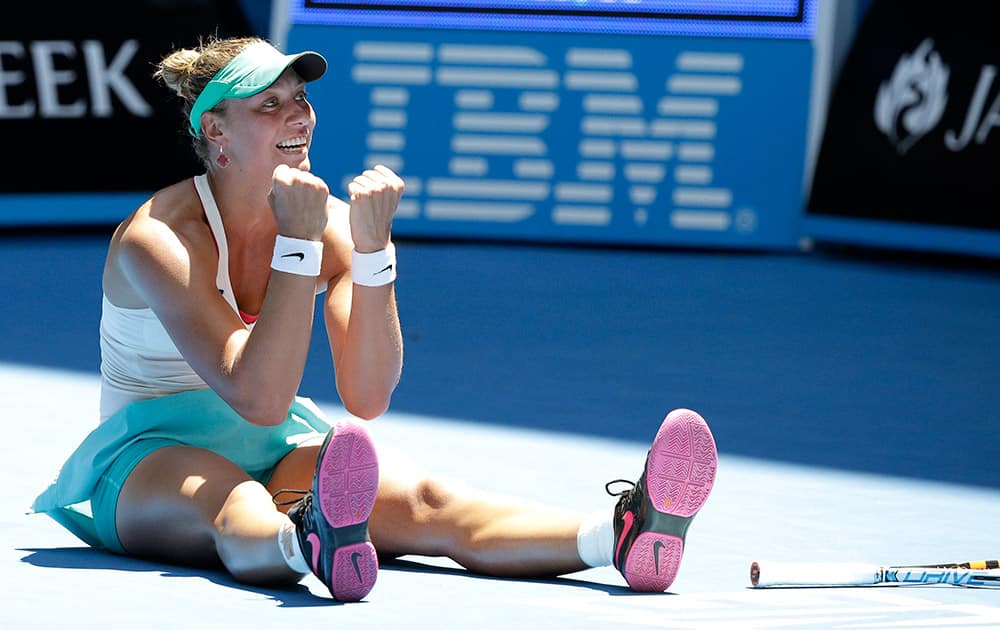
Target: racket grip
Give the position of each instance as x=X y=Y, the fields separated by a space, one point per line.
x=777 y=574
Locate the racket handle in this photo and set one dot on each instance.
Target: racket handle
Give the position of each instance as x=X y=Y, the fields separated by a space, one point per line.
x=765 y=574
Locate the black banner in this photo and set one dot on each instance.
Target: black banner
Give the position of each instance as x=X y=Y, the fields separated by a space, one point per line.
x=911 y=134
x=79 y=109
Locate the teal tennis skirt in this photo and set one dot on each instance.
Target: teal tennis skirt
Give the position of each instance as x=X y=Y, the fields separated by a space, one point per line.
x=84 y=496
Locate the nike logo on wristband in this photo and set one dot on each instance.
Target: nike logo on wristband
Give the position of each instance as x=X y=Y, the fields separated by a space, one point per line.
x=386 y=268
x=300 y=255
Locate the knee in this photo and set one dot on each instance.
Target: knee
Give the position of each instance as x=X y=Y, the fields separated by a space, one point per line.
x=431 y=496
x=246 y=537
x=445 y=507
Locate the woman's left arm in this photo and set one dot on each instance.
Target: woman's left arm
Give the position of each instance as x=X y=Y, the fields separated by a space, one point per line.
x=362 y=322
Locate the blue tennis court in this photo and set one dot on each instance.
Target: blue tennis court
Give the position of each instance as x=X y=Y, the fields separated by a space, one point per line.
x=852 y=395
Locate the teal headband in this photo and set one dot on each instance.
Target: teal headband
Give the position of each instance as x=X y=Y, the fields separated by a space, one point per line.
x=251 y=72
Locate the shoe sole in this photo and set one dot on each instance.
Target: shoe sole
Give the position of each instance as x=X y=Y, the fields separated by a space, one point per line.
x=347 y=483
x=680 y=473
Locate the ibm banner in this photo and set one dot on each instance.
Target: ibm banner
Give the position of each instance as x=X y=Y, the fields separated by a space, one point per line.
x=911 y=147
x=615 y=121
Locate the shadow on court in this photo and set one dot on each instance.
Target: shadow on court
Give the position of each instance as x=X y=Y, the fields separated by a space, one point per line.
x=839 y=359
x=411 y=566
x=295 y=596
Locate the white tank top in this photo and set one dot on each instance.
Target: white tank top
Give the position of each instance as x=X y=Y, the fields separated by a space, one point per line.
x=138 y=359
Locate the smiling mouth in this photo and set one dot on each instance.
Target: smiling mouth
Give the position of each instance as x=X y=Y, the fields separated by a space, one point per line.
x=294 y=145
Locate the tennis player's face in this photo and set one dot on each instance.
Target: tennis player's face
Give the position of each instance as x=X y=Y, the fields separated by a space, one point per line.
x=273 y=127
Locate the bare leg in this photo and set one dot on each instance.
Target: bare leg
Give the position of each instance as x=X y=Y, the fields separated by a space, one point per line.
x=191 y=506
x=485 y=533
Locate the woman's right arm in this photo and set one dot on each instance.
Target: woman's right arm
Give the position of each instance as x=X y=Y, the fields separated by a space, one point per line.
x=173 y=271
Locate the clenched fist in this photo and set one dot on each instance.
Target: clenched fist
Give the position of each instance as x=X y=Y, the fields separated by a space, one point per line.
x=374 y=196
x=299 y=202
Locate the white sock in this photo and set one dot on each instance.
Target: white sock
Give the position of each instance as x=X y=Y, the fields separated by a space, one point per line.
x=595 y=540
x=288 y=543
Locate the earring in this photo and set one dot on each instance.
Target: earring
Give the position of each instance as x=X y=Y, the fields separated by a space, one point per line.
x=222 y=160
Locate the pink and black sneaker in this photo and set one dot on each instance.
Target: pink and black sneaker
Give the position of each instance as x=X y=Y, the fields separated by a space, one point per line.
x=331 y=520
x=653 y=516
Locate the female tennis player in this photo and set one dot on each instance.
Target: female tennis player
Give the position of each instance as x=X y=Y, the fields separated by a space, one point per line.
x=206 y=453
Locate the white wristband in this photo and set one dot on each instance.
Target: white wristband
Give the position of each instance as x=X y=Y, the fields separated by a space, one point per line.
x=297 y=255
x=375 y=269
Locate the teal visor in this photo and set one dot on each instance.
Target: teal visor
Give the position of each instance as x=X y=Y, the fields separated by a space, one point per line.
x=251 y=72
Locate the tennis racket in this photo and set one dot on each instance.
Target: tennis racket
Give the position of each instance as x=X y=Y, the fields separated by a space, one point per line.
x=978 y=573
